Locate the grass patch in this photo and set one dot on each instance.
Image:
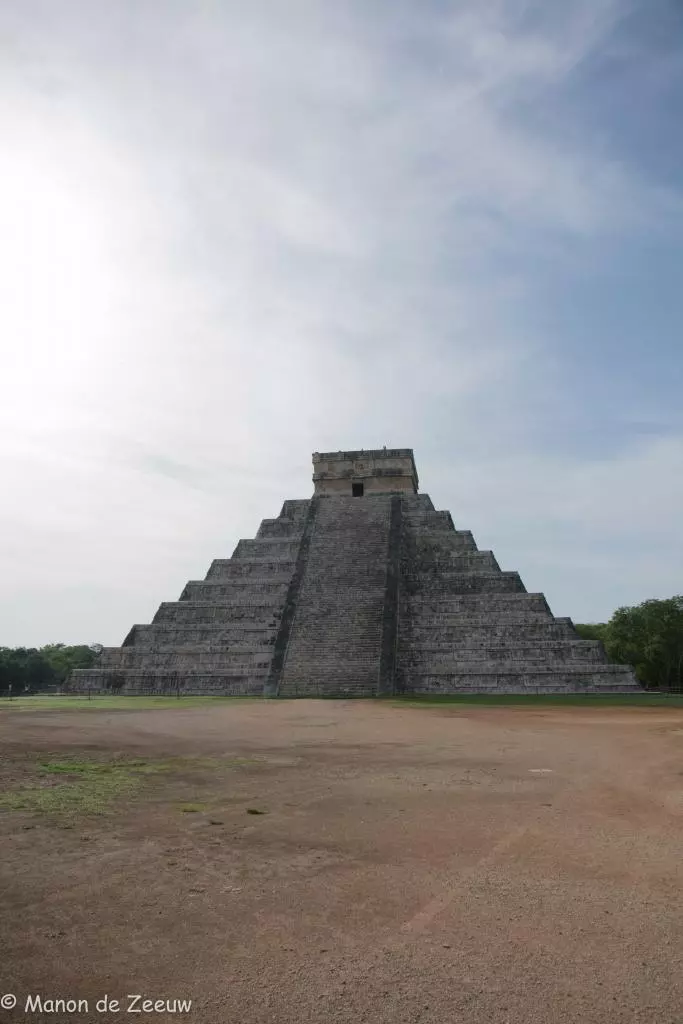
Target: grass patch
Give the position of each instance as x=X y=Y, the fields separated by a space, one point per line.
x=80 y=787
x=65 y=787
x=113 y=703
x=192 y=808
x=652 y=700
x=137 y=766
x=255 y=810
x=67 y=703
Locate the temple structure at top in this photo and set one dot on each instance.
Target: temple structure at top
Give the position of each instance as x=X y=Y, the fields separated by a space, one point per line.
x=355 y=474
x=363 y=589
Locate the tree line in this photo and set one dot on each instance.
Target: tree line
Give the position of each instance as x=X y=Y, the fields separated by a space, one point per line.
x=648 y=636
x=32 y=669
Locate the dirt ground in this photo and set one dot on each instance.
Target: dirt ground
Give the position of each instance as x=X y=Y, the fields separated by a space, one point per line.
x=436 y=864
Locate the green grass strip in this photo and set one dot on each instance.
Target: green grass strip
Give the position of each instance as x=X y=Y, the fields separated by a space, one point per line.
x=587 y=700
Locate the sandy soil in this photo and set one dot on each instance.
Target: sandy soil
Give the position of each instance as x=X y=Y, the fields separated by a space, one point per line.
x=471 y=864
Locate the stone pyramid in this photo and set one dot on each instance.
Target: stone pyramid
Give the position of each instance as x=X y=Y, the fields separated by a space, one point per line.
x=362 y=590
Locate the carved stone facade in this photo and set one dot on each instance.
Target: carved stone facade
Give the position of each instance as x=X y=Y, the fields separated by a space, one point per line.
x=358 y=591
x=389 y=471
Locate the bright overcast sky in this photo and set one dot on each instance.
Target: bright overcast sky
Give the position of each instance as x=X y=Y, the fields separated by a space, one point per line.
x=233 y=233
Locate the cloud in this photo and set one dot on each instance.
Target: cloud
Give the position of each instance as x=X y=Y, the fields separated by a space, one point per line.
x=233 y=234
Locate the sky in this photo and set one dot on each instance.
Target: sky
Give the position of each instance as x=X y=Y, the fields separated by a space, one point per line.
x=232 y=234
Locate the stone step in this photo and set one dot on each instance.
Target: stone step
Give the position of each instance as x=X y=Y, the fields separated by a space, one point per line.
x=346 y=680
x=290 y=522
x=295 y=509
x=227 y=635
x=364 y=628
x=463 y=583
x=236 y=589
x=436 y=563
x=450 y=624
x=416 y=503
x=441 y=658
x=437 y=521
x=470 y=630
x=425 y=536
x=256 y=569
x=279 y=528
x=262 y=612
x=342 y=689
x=312 y=656
x=187 y=659
x=525 y=679
x=425 y=547
x=359 y=576
x=272 y=548
x=151 y=683
x=424 y=608
x=481 y=668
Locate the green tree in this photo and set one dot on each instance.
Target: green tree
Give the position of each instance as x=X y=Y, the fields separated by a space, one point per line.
x=64 y=660
x=25 y=668
x=591 y=630
x=649 y=636
x=38 y=672
x=14 y=667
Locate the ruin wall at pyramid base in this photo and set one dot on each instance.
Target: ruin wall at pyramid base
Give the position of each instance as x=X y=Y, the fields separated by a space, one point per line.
x=345 y=596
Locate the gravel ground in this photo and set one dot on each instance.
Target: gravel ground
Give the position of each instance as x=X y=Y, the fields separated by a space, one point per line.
x=437 y=864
